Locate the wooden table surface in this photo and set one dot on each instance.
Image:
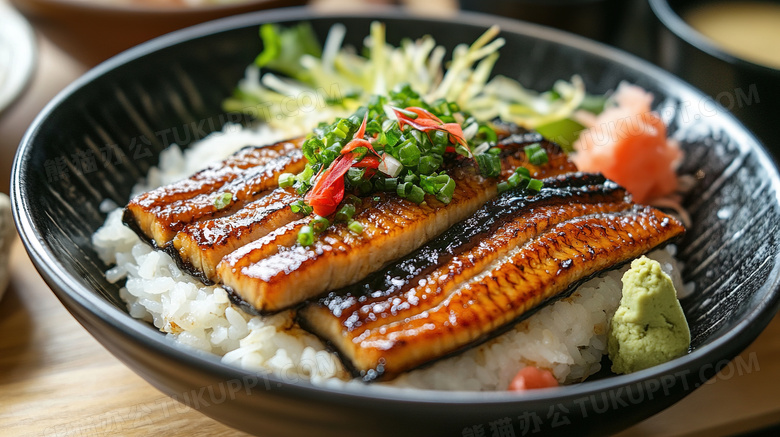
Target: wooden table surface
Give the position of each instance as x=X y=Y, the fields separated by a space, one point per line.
x=56 y=380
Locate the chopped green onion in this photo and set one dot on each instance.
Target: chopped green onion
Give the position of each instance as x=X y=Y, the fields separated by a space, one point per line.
x=311 y=147
x=522 y=171
x=355 y=175
x=442 y=186
x=445 y=193
x=440 y=140
x=392 y=134
x=355 y=200
x=359 y=153
x=386 y=184
x=357 y=118
x=411 y=178
x=408 y=114
x=535 y=184
x=306 y=236
x=515 y=180
x=489 y=165
x=429 y=164
x=223 y=200
x=340 y=133
x=403 y=189
x=306 y=174
x=494 y=151
x=343 y=127
x=539 y=158
x=345 y=213
x=364 y=187
x=301 y=188
x=319 y=224
x=535 y=154
x=373 y=127
x=355 y=227
x=286 y=180
x=300 y=207
x=416 y=195
x=488 y=133
x=409 y=153
x=503 y=186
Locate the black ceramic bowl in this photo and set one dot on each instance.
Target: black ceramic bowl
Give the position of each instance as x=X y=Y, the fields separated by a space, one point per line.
x=748 y=90
x=182 y=78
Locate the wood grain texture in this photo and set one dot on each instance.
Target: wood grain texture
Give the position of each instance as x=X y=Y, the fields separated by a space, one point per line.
x=56 y=380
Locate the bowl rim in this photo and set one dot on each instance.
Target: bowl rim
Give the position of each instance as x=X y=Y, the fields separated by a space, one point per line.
x=727 y=345
x=674 y=23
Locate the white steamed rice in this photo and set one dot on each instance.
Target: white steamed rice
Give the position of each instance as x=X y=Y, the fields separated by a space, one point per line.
x=568 y=336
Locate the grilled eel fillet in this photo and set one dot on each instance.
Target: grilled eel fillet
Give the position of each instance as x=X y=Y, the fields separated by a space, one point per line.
x=485 y=273
x=200 y=246
x=251 y=246
x=158 y=215
x=274 y=272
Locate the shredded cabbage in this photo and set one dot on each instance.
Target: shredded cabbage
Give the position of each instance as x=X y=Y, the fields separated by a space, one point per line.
x=337 y=82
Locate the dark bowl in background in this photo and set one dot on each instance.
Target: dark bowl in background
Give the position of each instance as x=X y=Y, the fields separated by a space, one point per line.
x=182 y=78
x=94 y=31
x=748 y=90
x=601 y=20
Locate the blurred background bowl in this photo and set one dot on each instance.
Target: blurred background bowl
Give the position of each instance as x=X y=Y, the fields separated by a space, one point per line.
x=92 y=31
x=749 y=90
x=596 y=19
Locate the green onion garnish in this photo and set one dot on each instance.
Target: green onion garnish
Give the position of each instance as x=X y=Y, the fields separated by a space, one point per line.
x=489 y=165
x=429 y=164
x=536 y=155
x=488 y=133
x=404 y=189
x=515 y=180
x=410 y=162
x=417 y=195
x=286 y=180
x=306 y=236
x=355 y=175
x=223 y=200
x=522 y=171
x=535 y=184
x=319 y=224
x=345 y=213
x=445 y=193
x=408 y=114
x=300 y=207
x=386 y=184
x=355 y=227
x=409 y=153
x=351 y=198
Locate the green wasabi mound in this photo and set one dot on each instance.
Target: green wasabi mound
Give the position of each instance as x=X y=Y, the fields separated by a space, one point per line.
x=649 y=327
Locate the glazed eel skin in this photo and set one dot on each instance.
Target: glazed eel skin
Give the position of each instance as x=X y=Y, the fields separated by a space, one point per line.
x=274 y=272
x=485 y=273
x=158 y=215
x=250 y=247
